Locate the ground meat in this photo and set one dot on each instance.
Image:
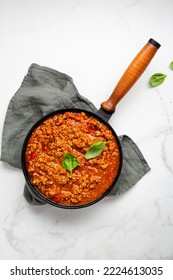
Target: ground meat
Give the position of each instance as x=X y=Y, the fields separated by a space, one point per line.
x=71 y=133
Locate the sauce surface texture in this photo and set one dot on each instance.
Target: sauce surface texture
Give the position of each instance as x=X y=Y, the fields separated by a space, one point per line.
x=71 y=133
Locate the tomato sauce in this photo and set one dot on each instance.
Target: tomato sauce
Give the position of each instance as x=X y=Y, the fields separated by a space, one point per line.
x=71 y=133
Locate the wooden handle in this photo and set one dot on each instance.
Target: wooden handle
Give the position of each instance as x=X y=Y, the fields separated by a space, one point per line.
x=131 y=75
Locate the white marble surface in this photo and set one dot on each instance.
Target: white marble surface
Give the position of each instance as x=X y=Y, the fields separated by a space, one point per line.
x=93 y=41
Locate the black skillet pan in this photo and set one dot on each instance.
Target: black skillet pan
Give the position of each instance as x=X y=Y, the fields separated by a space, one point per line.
x=130 y=76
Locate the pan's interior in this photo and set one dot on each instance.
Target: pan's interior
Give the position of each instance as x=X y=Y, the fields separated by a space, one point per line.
x=36 y=193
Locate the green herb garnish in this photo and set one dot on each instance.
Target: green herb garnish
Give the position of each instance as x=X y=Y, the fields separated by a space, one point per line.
x=157 y=79
x=95 y=150
x=171 y=65
x=70 y=162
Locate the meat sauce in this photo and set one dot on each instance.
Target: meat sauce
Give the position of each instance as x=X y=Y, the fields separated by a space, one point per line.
x=71 y=133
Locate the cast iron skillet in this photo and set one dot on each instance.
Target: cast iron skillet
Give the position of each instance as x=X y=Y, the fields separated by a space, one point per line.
x=130 y=76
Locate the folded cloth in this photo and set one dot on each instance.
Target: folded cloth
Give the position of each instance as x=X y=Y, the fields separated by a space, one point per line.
x=44 y=90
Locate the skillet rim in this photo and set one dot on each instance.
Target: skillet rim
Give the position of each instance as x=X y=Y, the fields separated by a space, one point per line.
x=38 y=195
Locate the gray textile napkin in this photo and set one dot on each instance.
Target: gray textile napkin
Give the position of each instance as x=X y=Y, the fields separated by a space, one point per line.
x=42 y=91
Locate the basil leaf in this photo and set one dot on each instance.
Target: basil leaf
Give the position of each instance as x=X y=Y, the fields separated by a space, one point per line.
x=171 y=65
x=95 y=150
x=157 y=79
x=69 y=162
